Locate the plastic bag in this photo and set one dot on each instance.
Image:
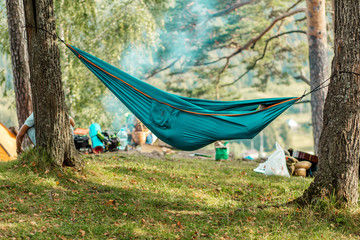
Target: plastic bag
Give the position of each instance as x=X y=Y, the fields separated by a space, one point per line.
x=275 y=165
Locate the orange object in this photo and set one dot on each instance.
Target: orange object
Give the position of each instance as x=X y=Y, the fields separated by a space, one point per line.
x=7 y=144
x=81 y=131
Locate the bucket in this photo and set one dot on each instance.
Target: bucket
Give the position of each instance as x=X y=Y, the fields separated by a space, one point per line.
x=221 y=151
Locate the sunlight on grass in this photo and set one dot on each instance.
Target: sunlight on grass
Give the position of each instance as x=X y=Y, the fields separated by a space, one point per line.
x=122 y=196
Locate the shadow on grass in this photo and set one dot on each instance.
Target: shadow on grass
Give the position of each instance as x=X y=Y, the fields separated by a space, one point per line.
x=71 y=205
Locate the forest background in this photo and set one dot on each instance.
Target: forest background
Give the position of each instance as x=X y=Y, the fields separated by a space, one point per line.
x=175 y=45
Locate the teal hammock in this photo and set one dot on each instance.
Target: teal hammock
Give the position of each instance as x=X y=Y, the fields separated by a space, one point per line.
x=186 y=123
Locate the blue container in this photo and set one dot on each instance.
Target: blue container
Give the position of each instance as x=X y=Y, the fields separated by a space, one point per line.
x=96 y=143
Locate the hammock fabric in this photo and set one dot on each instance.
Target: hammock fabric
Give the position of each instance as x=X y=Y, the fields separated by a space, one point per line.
x=185 y=123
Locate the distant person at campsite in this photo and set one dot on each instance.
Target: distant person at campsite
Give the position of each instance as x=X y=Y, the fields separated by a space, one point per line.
x=29 y=128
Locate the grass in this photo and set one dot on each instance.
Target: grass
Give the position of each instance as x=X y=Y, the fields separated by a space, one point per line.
x=133 y=196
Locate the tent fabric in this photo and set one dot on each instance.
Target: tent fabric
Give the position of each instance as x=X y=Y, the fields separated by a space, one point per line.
x=7 y=144
x=185 y=123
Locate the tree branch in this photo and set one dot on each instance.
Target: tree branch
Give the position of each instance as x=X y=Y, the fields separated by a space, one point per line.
x=229 y=9
x=301 y=19
x=304 y=101
x=303 y=78
x=156 y=71
x=294 y=5
x=262 y=56
x=253 y=41
x=220 y=13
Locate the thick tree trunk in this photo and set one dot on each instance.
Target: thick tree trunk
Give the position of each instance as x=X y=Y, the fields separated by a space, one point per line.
x=318 y=62
x=52 y=126
x=340 y=140
x=19 y=59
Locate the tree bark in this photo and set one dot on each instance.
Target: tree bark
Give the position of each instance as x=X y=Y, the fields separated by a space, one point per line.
x=318 y=62
x=339 y=141
x=19 y=59
x=52 y=125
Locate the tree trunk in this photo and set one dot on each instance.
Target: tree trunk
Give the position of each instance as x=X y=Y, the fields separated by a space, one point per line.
x=52 y=125
x=318 y=62
x=340 y=140
x=19 y=59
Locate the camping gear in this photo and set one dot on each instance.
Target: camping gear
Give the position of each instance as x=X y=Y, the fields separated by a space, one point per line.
x=96 y=143
x=275 y=165
x=110 y=140
x=290 y=163
x=123 y=137
x=140 y=134
x=185 y=123
x=139 y=137
x=303 y=164
x=221 y=150
x=149 y=139
x=200 y=155
x=81 y=131
x=7 y=144
x=300 y=172
x=305 y=156
x=82 y=143
x=311 y=159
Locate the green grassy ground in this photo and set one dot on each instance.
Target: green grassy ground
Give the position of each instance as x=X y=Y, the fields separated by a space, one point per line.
x=131 y=196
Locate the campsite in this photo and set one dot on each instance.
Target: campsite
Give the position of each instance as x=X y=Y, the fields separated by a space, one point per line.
x=179 y=119
x=121 y=196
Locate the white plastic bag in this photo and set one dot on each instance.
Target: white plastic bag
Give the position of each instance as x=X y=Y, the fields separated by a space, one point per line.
x=275 y=165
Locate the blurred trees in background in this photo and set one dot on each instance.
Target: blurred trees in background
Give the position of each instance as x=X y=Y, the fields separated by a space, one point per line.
x=218 y=42
x=204 y=49
x=107 y=29
x=20 y=59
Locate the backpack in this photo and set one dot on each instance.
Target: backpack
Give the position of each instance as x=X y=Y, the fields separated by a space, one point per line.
x=82 y=143
x=110 y=140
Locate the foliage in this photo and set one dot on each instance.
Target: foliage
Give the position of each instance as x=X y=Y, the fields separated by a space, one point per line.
x=4 y=35
x=125 y=196
x=285 y=133
x=7 y=110
x=2 y=79
x=105 y=29
x=5 y=79
x=139 y=35
x=195 y=40
x=7 y=98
